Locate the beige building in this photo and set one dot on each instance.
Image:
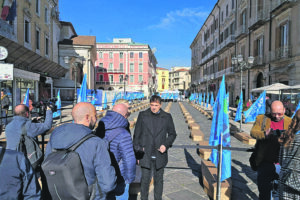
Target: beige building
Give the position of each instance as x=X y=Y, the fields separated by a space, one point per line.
x=267 y=30
x=162 y=75
x=179 y=79
x=30 y=33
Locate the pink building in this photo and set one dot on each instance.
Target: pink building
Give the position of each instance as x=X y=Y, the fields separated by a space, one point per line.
x=125 y=65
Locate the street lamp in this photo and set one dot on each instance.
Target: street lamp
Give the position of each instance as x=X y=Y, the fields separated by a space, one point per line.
x=241 y=65
x=124 y=79
x=75 y=65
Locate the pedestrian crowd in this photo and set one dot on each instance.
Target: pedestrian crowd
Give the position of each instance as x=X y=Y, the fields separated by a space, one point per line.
x=86 y=159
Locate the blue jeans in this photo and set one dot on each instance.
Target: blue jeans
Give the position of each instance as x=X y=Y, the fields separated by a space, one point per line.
x=125 y=195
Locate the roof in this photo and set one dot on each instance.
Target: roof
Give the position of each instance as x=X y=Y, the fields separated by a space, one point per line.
x=63 y=23
x=84 y=40
x=182 y=70
x=160 y=68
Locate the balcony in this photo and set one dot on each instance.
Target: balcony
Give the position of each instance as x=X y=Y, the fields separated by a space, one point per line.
x=115 y=70
x=242 y=30
x=7 y=30
x=278 y=5
x=259 y=19
x=260 y=60
x=109 y=83
x=281 y=53
x=228 y=71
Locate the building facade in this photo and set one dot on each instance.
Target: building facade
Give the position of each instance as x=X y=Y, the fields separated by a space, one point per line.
x=179 y=79
x=265 y=29
x=162 y=79
x=124 y=65
x=29 y=31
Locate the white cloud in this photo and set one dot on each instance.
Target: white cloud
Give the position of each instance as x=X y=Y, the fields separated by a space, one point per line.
x=191 y=15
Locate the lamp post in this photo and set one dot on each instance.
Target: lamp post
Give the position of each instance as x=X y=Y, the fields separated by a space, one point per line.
x=241 y=65
x=75 y=65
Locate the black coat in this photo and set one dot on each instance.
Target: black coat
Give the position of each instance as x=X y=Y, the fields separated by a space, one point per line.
x=144 y=140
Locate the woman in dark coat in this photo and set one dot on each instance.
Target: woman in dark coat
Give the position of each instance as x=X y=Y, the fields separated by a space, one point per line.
x=289 y=177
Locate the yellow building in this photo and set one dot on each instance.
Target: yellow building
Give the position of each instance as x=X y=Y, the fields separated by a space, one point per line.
x=162 y=79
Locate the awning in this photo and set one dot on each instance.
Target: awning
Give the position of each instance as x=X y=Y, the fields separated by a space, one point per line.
x=271 y=89
x=27 y=60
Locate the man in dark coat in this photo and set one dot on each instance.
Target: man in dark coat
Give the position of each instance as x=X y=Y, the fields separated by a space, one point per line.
x=4 y=106
x=153 y=135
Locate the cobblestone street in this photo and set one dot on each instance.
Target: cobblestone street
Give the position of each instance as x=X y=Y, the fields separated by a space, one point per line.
x=182 y=178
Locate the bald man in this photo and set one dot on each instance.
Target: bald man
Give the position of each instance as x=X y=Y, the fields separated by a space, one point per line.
x=93 y=152
x=267 y=146
x=21 y=118
x=114 y=125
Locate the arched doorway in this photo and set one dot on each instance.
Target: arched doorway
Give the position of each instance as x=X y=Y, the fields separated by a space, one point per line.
x=260 y=80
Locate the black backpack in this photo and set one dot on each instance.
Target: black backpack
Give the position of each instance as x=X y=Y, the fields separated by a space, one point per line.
x=30 y=148
x=64 y=174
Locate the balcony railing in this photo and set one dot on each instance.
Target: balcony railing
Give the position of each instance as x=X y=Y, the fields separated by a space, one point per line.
x=260 y=16
x=115 y=70
x=242 y=30
x=277 y=3
x=109 y=83
x=281 y=53
x=259 y=60
x=7 y=30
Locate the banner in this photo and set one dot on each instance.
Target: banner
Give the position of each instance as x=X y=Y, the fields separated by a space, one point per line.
x=58 y=105
x=82 y=95
x=257 y=108
x=239 y=110
x=26 y=98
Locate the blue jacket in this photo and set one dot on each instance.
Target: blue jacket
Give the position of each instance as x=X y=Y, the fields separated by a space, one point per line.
x=13 y=130
x=93 y=154
x=121 y=143
x=17 y=177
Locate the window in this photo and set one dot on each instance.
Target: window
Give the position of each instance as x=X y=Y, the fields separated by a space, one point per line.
x=140 y=67
x=225 y=33
x=100 y=54
x=110 y=68
x=222 y=16
x=121 y=67
x=232 y=4
x=37 y=39
x=243 y=18
x=101 y=65
x=37 y=7
x=131 y=78
x=131 y=54
x=260 y=47
x=140 y=78
x=27 y=31
x=101 y=77
x=131 y=67
x=226 y=10
x=284 y=35
x=232 y=30
x=121 y=55
x=46 y=46
x=121 y=78
x=110 y=55
x=111 y=78
x=140 y=54
x=46 y=15
x=250 y=8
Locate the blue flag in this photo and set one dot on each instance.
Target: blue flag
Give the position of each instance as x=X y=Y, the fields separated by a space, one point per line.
x=82 y=97
x=105 y=102
x=298 y=107
x=239 y=110
x=93 y=98
x=200 y=98
x=26 y=98
x=212 y=101
x=220 y=125
x=259 y=107
x=203 y=100
x=58 y=105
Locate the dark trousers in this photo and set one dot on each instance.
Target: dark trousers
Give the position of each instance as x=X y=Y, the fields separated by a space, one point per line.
x=266 y=173
x=4 y=117
x=158 y=176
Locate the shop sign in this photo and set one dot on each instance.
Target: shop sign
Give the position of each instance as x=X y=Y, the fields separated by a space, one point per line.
x=6 y=71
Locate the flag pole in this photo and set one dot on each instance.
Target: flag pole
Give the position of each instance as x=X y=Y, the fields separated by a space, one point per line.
x=220 y=149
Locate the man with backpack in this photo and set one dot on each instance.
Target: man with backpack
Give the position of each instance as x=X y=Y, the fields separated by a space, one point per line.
x=115 y=124
x=22 y=120
x=68 y=140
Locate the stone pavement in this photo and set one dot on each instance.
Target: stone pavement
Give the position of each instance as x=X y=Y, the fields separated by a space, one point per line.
x=182 y=178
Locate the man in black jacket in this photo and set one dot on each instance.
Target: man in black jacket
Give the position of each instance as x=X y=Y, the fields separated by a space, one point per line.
x=153 y=135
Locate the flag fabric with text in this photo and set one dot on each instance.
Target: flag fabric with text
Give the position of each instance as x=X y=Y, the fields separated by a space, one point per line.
x=82 y=97
x=58 y=105
x=26 y=98
x=239 y=110
x=297 y=108
x=220 y=126
x=200 y=99
x=258 y=108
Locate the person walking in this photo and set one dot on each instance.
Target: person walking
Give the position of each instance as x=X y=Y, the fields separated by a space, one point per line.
x=267 y=146
x=289 y=159
x=116 y=133
x=154 y=134
x=4 y=106
x=93 y=152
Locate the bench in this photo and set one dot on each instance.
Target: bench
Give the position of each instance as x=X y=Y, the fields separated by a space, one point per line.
x=194 y=126
x=197 y=135
x=204 y=153
x=245 y=138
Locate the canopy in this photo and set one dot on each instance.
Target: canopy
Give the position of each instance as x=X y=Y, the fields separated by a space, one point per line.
x=271 y=89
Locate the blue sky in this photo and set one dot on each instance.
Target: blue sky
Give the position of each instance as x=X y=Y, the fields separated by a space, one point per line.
x=167 y=25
